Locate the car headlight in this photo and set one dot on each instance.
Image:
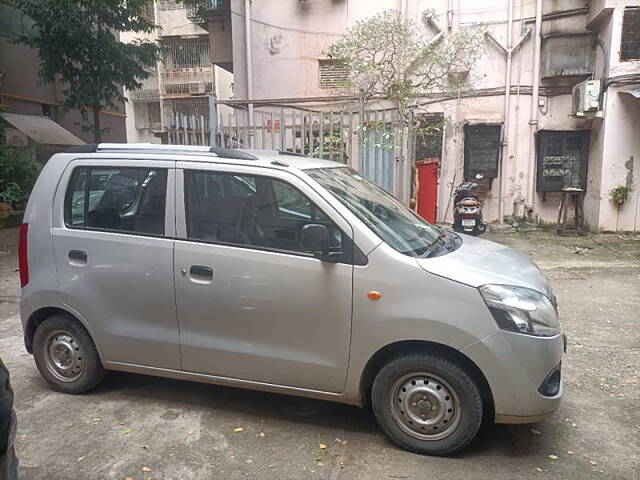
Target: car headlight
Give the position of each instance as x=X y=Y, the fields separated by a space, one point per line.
x=521 y=310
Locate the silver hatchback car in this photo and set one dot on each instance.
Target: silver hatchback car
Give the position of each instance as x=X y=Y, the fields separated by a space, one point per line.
x=271 y=271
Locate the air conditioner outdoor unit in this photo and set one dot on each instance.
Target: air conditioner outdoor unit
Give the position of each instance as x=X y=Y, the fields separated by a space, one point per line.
x=197 y=87
x=587 y=99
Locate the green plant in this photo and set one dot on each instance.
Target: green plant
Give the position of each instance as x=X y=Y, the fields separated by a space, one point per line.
x=77 y=42
x=620 y=194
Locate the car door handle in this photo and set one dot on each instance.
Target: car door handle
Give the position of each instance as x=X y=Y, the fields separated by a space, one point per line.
x=77 y=257
x=201 y=271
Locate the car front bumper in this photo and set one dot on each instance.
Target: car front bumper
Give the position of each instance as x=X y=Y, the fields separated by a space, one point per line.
x=518 y=368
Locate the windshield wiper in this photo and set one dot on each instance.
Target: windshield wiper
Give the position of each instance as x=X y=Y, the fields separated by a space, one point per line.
x=439 y=242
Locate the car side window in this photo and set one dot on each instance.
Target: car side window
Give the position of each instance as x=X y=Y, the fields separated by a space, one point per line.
x=251 y=210
x=126 y=199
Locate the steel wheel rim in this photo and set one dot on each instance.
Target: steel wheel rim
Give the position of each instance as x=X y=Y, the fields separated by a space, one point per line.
x=425 y=406
x=63 y=356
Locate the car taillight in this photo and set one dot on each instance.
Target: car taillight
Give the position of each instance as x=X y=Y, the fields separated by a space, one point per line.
x=23 y=263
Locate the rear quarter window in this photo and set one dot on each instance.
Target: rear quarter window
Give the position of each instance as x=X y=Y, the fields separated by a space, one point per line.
x=119 y=199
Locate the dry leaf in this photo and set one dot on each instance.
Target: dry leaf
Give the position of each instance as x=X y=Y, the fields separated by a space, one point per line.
x=592 y=463
x=553 y=457
x=539 y=469
x=146 y=447
x=128 y=431
x=122 y=423
x=238 y=429
x=81 y=458
x=569 y=452
x=271 y=465
x=249 y=462
x=146 y=469
x=322 y=446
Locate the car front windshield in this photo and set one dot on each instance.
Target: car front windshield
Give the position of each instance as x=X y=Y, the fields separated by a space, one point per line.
x=394 y=223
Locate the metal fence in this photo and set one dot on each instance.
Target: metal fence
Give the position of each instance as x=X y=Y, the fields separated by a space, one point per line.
x=378 y=143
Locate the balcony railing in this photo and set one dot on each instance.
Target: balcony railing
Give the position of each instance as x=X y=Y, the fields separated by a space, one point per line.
x=148 y=91
x=187 y=81
x=200 y=11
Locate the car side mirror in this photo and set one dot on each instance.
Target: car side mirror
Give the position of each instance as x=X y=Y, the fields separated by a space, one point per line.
x=315 y=239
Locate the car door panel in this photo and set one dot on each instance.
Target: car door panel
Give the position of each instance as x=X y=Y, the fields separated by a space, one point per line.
x=122 y=283
x=265 y=315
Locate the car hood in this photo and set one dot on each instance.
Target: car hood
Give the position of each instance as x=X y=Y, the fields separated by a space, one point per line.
x=478 y=262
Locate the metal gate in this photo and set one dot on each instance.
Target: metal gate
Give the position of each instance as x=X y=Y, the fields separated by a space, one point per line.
x=378 y=143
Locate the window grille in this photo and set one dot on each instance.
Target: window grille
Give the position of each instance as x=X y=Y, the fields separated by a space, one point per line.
x=333 y=74
x=630 y=43
x=170 y=5
x=186 y=53
x=562 y=160
x=153 y=116
x=481 y=150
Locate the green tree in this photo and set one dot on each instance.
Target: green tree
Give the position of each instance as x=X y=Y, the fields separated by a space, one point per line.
x=77 y=42
x=388 y=57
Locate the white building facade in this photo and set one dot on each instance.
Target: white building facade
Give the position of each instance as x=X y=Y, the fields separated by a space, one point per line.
x=178 y=89
x=515 y=121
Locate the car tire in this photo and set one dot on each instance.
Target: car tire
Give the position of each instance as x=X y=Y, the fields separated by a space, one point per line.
x=427 y=404
x=66 y=356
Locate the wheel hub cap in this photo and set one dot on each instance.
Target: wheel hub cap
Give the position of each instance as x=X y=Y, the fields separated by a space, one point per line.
x=64 y=356
x=425 y=406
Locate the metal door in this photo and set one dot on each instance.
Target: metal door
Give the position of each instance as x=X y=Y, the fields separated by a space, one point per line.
x=428 y=188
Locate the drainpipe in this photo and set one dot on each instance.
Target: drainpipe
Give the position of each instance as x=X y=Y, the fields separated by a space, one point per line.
x=535 y=110
x=247 y=43
x=450 y=15
x=507 y=112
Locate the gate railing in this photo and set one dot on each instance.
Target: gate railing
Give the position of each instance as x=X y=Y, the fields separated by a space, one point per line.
x=378 y=143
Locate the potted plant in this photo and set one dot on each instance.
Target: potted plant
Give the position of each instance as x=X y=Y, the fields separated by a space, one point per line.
x=620 y=194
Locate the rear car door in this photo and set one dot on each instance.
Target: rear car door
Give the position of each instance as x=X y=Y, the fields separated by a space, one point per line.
x=114 y=224
x=252 y=304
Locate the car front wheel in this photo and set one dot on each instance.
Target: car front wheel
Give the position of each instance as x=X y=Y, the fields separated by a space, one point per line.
x=427 y=404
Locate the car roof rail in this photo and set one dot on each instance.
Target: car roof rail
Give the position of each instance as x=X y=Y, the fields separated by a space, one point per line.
x=147 y=147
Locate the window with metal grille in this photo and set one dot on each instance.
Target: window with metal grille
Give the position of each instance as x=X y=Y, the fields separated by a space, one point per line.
x=562 y=160
x=630 y=43
x=186 y=53
x=333 y=73
x=170 y=5
x=153 y=115
x=481 y=150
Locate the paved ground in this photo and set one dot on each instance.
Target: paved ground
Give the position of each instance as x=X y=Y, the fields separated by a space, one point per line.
x=182 y=430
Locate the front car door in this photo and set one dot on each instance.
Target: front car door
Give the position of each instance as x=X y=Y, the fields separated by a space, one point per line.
x=113 y=232
x=252 y=305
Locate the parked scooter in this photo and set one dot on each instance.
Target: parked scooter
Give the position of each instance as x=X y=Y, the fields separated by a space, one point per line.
x=467 y=209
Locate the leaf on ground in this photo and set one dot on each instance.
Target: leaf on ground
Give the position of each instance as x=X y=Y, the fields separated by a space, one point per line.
x=128 y=431
x=539 y=469
x=146 y=469
x=553 y=457
x=238 y=429
x=535 y=432
x=271 y=465
x=592 y=463
x=123 y=422
x=146 y=447
x=569 y=452
x=261 y=434
x=249 y=462
x=322 y=446
x=81 y=458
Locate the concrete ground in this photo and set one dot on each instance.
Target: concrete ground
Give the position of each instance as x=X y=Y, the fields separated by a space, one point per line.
x=144 y=427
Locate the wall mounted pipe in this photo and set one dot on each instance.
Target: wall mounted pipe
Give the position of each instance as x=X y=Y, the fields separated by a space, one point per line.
x=247 y=42
x=535 y=112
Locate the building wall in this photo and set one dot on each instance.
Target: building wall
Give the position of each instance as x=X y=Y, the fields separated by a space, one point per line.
x=23 y=93
x=288 y=37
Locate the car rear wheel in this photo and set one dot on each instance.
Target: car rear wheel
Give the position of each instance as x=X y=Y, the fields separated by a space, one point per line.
x=427 y=404
x=66 y=356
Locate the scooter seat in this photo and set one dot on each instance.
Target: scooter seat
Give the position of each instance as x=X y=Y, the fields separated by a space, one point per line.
x=468 y=202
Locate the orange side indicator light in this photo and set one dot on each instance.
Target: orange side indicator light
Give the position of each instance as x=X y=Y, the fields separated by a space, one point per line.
x=374 y=295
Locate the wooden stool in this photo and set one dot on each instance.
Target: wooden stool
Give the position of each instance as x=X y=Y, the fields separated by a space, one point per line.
x=575 y=195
